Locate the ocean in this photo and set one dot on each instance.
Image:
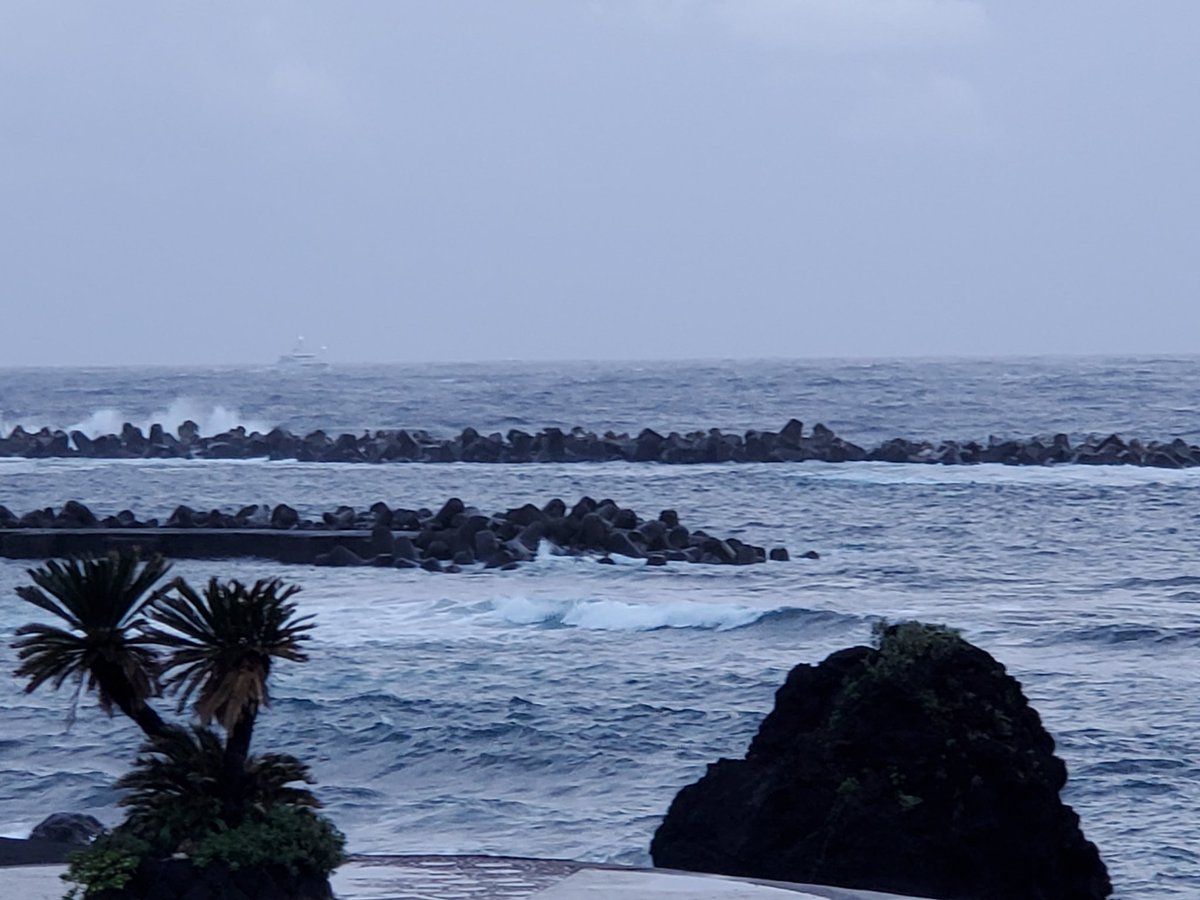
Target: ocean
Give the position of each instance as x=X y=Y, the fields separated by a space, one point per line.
x=554 y=710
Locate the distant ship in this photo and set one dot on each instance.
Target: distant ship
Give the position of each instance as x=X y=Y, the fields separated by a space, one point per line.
x=301 y=359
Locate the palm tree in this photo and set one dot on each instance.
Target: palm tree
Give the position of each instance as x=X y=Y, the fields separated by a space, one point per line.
x=174 y=791
x=220 y=645
x=103 y=601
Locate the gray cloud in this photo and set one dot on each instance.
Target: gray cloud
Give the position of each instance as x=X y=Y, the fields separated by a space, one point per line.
x=829 y=27
x=437 y=180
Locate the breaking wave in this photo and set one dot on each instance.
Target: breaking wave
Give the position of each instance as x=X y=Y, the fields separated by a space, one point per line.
x=619 y=615
x=212 y=418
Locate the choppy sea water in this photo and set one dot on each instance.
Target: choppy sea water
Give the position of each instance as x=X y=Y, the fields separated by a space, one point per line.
x=556 y=709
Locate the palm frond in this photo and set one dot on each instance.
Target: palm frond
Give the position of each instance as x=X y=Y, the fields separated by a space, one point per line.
x=92 y=593
x=220 y=643
x=102 y=600
x=270 y=779
x=174 y=792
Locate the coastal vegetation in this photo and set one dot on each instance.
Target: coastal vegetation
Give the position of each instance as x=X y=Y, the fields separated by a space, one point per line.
x=197 y=800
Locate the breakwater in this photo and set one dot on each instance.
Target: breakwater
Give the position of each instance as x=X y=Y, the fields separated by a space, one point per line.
x=791 y=443
x=455 y=536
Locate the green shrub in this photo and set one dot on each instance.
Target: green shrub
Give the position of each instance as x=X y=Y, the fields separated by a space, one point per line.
x=107 y=864
x=293 y=837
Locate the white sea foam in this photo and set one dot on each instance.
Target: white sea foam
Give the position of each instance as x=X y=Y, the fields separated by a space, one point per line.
x=212 y=418
x=885 y=473
x=618 y=615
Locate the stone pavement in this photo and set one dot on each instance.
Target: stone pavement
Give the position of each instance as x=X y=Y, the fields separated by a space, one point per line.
x=494 y=878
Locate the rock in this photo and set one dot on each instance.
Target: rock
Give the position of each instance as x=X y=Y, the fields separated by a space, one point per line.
x=625 y=519
x=471 y=536
x=83 y=443
x=283 y=517
x=404 y=548
x=341 y=519
x=779 y=554
x=68 y=828
x=519 y=552
x=182 y=517
x=649 y=446
x=619 y=543
x=405 y=520
x=679 y=538
x=745 y=555
x=655 y=533
x=593 y=531
x=719 y=550
x=584 y=507
x=550 y=445
x=531 y=535
x=339 y=556
x=471 y=526
x=501 y=559
x=439 y=549
x=608 y=510
x=382 y=513
x=75 y=515
x=526 y=515
x=792 y=433
x=916 y=768
x=188 y=432
x=486 y=544
x=382 y=541
x=451 y=508
x=810 y=554
x=37 y=518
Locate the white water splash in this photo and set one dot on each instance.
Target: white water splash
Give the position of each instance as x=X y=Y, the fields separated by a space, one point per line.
x=211 y=419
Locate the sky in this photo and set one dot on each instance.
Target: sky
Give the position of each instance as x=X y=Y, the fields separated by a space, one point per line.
x=443 y=180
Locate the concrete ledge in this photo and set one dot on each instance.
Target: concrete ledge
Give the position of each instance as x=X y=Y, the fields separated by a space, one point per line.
x=299 y=547
x=497 y=878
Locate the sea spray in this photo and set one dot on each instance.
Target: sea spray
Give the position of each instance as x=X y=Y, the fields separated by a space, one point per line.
x=211 y=418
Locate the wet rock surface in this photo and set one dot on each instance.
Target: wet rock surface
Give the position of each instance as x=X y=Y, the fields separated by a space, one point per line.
x=68 y=828
x=554 y=445
x=454 y=536
x=917 y=768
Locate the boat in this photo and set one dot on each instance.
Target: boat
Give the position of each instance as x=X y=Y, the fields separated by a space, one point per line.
x=301 y=359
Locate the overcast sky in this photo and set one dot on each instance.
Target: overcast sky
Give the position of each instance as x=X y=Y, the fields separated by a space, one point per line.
x=629 y=179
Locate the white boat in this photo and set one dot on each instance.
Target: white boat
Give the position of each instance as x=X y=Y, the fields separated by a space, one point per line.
x=299 y=358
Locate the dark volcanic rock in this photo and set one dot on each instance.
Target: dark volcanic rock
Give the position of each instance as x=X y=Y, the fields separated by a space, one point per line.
x=67 y=828
x=380 y=535
x=916 y=768
x=789 y=445
x=340 y=556
x=75 y=515
x=283 y=516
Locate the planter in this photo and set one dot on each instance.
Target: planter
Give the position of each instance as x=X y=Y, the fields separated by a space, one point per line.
x=180 y=879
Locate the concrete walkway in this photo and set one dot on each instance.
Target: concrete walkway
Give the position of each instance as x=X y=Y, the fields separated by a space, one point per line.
x=495 y=878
